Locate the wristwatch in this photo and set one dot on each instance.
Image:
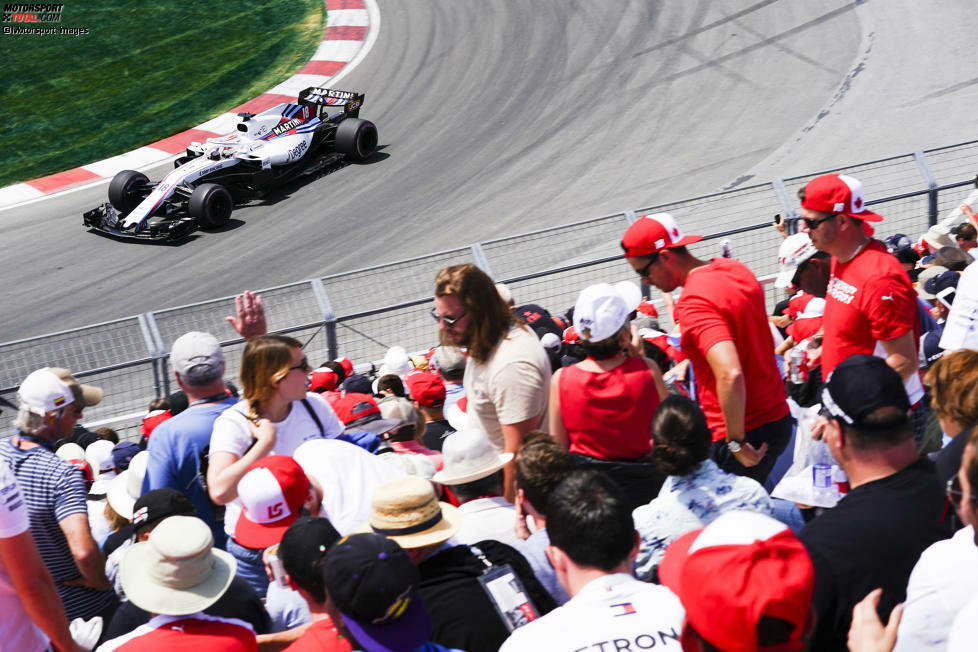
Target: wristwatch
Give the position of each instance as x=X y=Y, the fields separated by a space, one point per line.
x=733 y=446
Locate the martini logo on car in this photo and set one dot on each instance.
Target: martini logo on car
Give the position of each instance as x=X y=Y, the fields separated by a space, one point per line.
x=329 y=92
x=31 y=13
x=287 y=126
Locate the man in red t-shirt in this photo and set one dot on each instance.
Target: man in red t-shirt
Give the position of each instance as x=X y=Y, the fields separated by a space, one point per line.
x=725 y=334
x=871 y=307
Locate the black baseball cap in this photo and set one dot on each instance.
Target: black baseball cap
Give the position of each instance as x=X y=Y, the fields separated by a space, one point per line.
x=305 y=544
x=153 y=506
x=858 y=386
x=373 y=583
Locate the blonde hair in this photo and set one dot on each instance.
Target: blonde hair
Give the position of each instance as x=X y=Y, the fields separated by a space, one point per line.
x=115 y=520
x=265 y=361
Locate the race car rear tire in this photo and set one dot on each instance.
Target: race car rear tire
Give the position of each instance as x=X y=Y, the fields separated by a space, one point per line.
x=127 y=189
x=211 y=205
x=356 y=138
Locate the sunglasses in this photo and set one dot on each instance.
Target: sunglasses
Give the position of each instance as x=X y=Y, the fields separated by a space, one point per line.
x=644 y=272
x=813 y=224
x=303 y=366
x=449 y=321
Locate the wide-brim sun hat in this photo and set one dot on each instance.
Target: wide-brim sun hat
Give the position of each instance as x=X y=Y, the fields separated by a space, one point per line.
x=125 y=489
x=469 y=456
x=177 y=571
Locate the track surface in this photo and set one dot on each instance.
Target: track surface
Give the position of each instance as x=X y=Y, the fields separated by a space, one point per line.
x=503 y=116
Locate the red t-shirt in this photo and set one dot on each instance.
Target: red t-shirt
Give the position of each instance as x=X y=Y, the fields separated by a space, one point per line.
x=187 y=634
x=869 y=299
x=321 y=636
x=723 y=302
x=609 y=415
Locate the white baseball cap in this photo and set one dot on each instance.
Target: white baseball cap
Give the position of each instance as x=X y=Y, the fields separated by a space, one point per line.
x=42 y=392
x=600 y=312
x=795 y=250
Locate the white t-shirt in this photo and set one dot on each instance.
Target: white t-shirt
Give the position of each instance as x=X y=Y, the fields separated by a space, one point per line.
x=511 y=387
x=608 y=611
x=487 y=518
x=232 y=434
x=961 y=327
x=17 y=630
x=942 y=581
x=348 y=475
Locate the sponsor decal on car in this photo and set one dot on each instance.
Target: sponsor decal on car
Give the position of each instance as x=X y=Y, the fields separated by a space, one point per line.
x=286 y=126
x=296 y=152
x=329 y=92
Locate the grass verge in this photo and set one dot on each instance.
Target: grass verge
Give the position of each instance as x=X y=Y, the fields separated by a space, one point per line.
x=144 y=71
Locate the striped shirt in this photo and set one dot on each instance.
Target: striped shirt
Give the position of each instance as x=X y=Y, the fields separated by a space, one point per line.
x=54 y=490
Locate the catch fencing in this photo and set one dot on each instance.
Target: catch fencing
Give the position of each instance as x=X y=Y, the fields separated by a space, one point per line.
x=360 y=314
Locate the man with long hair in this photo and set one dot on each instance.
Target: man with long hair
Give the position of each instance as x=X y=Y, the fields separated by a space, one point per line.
x=507 y=378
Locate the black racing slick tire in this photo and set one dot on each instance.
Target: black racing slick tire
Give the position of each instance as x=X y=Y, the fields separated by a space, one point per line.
x=210 y=204
x=127 y=189
x=356 y=138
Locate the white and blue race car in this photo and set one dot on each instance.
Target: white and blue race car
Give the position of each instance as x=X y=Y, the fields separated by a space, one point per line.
x=267 y=150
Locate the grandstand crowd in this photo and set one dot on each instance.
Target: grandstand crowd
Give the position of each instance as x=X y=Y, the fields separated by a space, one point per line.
x=607 y=478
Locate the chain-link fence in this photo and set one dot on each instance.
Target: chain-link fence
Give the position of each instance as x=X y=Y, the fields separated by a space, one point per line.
x=361 y=313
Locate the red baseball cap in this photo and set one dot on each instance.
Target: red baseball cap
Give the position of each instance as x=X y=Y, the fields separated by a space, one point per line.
x=653 y=233
x=323 y=379
x=647 y=308
x=838 y=193
x=359 y=412
x=740 y=567
x=426 y=388
x=272 y=491
x=347 y=366
x=571 y=336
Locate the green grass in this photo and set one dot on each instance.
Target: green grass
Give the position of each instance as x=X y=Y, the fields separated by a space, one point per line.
x=143 y=72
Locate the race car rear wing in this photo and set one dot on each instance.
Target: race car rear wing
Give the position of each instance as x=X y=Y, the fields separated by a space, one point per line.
x=326 y=98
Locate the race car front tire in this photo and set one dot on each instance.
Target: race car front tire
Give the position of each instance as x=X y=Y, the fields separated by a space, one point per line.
x=127 y=189
x=211 y=205
x=356 y=138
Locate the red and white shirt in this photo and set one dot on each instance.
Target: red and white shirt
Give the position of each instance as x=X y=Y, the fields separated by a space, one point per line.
x=869 y=300
x=191 y=633
x=722 y=302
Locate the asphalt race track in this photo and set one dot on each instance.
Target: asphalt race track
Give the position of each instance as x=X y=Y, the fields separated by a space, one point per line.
x=503 y=116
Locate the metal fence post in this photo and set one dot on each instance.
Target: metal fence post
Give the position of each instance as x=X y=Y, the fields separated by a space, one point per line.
x=479 y=254
x=928 y=176
x=157 y=350
x=329 y=317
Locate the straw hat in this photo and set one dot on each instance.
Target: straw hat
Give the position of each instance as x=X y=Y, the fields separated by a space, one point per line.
x=177 y=571
x=407 y=511
x=468 y=457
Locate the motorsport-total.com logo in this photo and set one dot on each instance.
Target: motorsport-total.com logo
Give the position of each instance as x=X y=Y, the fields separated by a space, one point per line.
x=32 y=13
x=27 y=19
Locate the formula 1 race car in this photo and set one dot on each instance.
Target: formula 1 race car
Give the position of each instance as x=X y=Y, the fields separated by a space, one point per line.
x=269 y=149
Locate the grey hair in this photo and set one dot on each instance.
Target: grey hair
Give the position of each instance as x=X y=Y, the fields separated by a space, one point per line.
x=29 y=423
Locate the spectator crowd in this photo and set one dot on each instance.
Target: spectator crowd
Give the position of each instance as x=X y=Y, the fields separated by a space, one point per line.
x=596 y=479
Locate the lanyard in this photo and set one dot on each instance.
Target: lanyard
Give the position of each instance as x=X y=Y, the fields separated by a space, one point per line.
x=214 y=398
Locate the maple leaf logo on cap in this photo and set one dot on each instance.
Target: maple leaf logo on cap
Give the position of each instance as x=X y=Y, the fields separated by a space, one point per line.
x=675 y=233
x=858 y=203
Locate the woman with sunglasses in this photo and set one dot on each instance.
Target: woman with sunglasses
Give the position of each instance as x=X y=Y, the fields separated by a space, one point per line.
x=275 y=415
